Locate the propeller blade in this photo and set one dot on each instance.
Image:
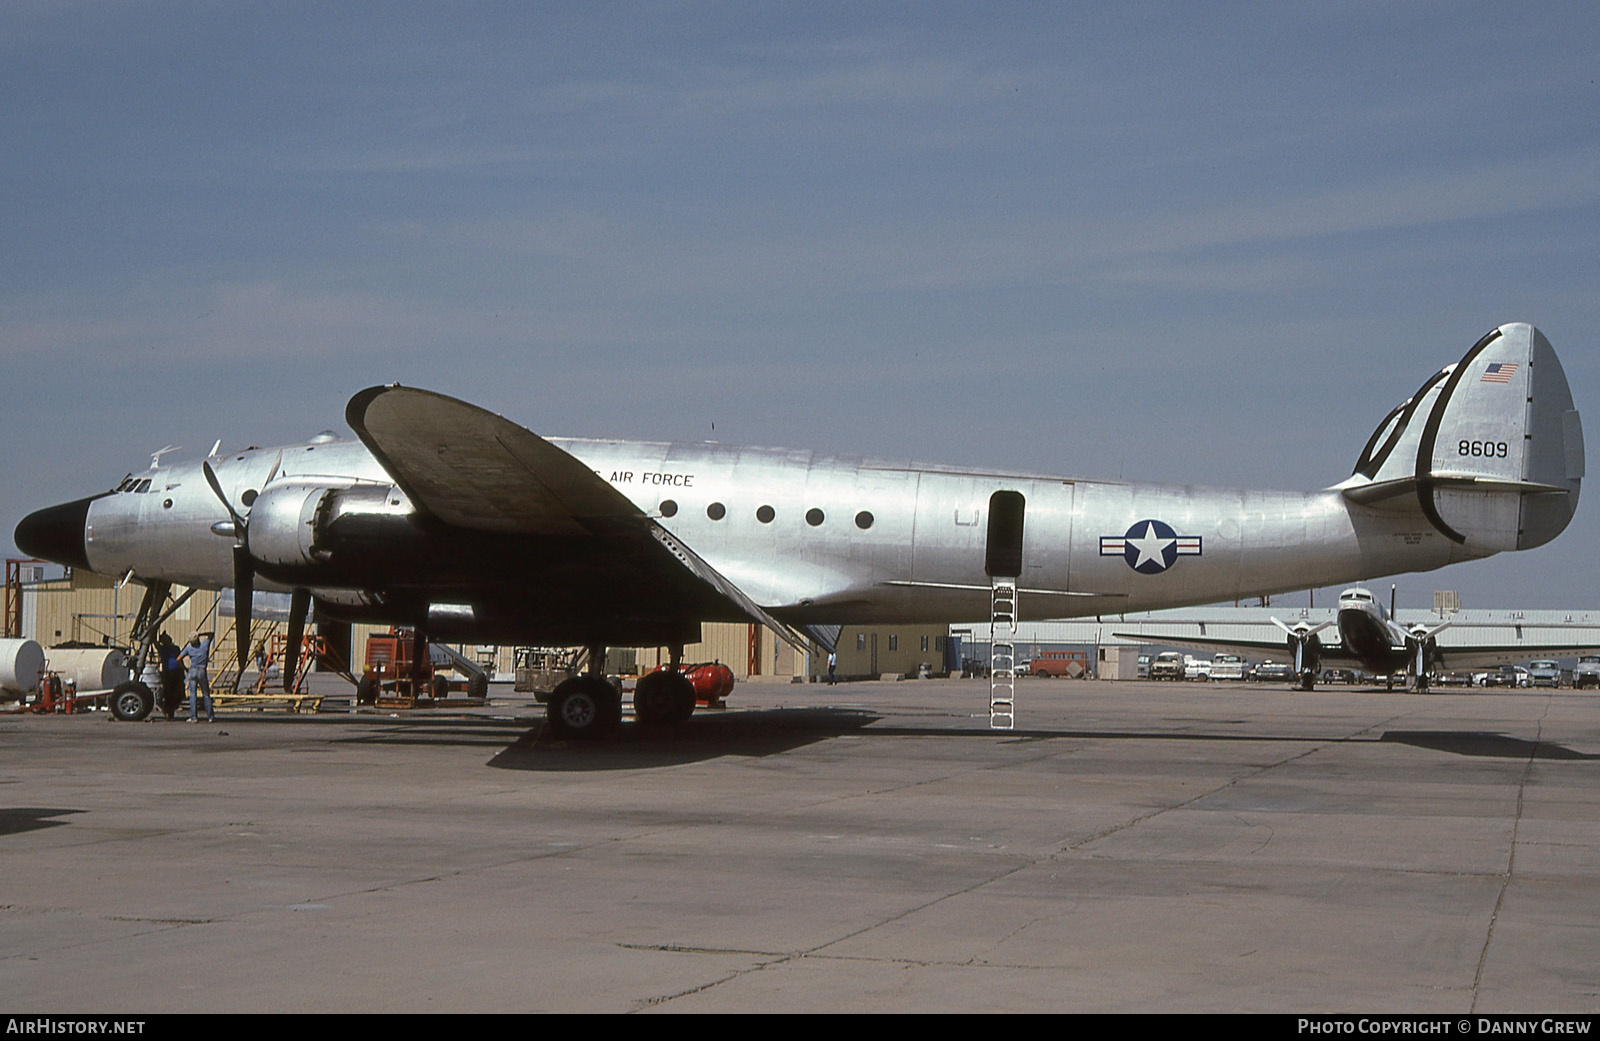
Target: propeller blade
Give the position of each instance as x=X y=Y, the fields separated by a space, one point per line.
x=1301 y=634
x=216 y=487
x=244 y=582
x=299 y=608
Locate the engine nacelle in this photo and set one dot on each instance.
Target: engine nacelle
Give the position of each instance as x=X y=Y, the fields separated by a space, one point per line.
x=299 y=526
x=1309 y=648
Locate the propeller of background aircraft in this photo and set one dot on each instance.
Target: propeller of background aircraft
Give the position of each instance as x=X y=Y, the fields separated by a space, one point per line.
x=1306 y=646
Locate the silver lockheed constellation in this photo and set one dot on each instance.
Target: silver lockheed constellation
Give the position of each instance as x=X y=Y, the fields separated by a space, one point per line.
x=470 y=527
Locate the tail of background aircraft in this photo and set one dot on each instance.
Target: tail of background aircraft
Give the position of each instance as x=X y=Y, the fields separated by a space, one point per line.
x=1490 y=449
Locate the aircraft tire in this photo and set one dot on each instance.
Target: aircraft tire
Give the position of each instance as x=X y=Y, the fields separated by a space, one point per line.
x=132 y=701
x=584 y=708
x=1308 y=681
x=663 y=699
x=478 y=686
x=366 y=691
x=439 y=687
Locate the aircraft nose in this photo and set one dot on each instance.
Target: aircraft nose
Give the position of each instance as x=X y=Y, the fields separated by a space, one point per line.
x=56 y=533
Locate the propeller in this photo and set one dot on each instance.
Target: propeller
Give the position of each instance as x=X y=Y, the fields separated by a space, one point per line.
x=1304 y=644
x=244 y=571
x=1420 y=641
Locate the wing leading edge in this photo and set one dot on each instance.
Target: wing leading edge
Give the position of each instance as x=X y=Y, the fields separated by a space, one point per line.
x=468 y=468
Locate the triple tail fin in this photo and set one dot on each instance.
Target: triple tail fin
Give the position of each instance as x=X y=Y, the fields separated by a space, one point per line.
x=1490 y=449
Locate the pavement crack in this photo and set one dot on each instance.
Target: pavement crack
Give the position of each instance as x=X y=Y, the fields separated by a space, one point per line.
x=1248 y=775
x=1511 y=854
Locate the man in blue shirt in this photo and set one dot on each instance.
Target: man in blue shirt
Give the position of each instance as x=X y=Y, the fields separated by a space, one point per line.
x=198 y=654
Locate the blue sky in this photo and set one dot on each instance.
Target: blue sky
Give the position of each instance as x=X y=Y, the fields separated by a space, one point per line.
x=1204 y=244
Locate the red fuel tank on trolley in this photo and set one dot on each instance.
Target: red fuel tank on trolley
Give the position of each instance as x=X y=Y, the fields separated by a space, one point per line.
x=712 y=681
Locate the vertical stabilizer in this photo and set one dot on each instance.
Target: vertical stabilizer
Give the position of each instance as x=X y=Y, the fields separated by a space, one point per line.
x=1490 y=449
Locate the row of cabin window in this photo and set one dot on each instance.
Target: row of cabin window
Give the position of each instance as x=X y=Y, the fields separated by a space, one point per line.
x=894 y=642
x=765 y=514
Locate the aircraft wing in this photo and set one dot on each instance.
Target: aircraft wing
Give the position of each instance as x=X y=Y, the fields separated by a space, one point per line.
x=1271 y=648
x=1483 y=655
x=1458 y=654
x=468 y=468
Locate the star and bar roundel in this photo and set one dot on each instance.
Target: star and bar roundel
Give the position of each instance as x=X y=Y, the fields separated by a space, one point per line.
x=1150 y=546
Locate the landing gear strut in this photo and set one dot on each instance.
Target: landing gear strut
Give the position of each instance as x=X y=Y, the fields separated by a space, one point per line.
x=133 y=700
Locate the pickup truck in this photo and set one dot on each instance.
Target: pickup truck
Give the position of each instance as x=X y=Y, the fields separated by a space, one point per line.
x=1228 y=667
x=1168 y=665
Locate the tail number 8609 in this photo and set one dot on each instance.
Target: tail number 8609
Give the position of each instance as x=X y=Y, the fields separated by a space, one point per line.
x=1490 y=449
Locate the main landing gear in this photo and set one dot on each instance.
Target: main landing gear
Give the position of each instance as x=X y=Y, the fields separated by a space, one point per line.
x=664 y=698
x=588 y=707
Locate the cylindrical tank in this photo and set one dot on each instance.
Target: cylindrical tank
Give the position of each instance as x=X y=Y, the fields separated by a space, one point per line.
x=21 y=661
x=712 y=682
x=93 y=668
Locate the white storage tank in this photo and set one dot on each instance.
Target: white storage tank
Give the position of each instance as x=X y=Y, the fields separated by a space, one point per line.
x=94 y=668
x=20 y=664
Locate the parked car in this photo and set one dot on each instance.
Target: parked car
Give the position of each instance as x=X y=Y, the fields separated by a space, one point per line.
x=1506 y=676
x=1144 y=666
x=1270 y=670
x=1544 y=673
x=1197 y=668
x=1340 y=676
x=1228 y=667
x=1167 y=666
x=1587 y=674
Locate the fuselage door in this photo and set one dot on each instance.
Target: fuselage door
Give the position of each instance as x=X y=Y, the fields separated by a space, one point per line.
x=1003 y=549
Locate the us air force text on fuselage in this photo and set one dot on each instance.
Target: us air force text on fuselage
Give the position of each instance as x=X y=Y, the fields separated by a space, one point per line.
x=656 y=477
x=1472 y=1026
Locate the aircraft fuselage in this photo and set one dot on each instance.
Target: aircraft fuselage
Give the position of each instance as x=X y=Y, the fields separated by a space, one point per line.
x=814 y=538
x=1371 y=637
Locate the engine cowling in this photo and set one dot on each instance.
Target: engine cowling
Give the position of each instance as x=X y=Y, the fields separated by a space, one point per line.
x=310 y=531
x=1305 y=651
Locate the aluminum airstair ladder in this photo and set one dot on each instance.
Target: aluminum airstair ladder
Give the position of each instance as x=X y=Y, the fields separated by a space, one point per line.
x=1002 y=653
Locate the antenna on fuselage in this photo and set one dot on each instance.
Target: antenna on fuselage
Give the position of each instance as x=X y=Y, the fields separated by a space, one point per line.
x=213 y=453
x=155 y=457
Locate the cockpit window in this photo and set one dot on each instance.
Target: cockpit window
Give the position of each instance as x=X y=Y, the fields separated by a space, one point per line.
x=144 y=485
